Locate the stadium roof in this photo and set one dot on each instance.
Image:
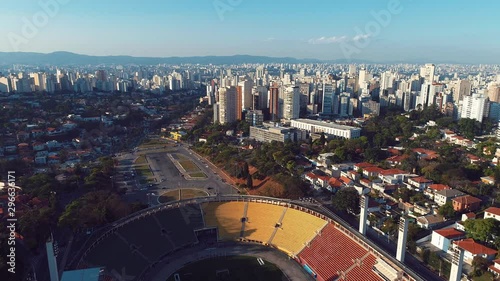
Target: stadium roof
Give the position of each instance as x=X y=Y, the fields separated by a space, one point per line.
x=89 y=274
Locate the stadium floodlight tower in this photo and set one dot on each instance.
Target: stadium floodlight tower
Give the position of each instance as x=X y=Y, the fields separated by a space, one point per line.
x=457 y=261
x=403 y=233
x=51 y=258
x=363 y=204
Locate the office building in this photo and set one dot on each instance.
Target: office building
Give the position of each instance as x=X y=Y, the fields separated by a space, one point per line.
x=333 y=129
x=279 y=134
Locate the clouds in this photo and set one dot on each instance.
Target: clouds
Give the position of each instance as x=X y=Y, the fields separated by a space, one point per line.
x=337 y=39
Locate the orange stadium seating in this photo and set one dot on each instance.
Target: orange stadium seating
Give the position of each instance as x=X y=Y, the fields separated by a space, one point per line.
x=226 y=216
x=333 y=252
x=261 y=221
x=297 y=229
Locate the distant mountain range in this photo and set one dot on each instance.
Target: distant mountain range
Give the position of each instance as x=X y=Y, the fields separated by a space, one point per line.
x=67 y=58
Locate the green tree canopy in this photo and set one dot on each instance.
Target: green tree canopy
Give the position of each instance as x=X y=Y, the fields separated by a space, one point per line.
x=346 y=199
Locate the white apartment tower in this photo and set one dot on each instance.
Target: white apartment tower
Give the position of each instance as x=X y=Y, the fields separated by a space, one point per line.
x=227 y=104
x=291 y=104
x=428 y=72
x=474 y=107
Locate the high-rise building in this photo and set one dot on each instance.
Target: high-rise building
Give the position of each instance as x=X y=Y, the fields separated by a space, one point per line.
x=254 y=117
x=494 y=92
x=474 y=107
x=291 y=103
x=460 y=89
x=246 y=94
x=328 y=93
x=263 y=97
x=386 y=80
x=352 y=70
x=345 y=106
x=427 y=72
x=227 y=104
x=274 y=103
x=370 y=108
x=5 y=86
x=239 y=103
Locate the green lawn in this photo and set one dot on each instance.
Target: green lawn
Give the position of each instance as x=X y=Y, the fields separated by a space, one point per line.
x=140 y=160
x=198 y=175
x=189 y=166
x=237 y=268
x=173 y=195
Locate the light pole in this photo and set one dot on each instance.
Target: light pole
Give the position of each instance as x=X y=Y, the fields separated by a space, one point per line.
x=149 y=198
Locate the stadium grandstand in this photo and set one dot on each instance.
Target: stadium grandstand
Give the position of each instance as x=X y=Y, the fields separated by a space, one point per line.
x=323 y=246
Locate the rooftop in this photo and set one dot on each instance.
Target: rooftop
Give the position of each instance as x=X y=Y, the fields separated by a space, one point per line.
x=474 y=248
x=493 y=210
x=450 y=233
x=325 y=124
x=467 y=199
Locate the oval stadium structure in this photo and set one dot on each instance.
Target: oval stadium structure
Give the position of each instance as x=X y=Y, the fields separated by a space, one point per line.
x=316 y=241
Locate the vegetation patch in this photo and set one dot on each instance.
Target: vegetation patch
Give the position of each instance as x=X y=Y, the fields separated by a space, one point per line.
x=189 y=166
x=185 y=193
x=198 y=175
x=140 y=160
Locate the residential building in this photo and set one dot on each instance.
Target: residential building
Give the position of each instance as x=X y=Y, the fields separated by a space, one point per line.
x=430 y=221
x=291 y=103
x=474 y=107
x=254 y=117
x=473 y=249
x=444 y=196
x=227 y=104
x=466 y=203
x=443 y=238
x=492 y=213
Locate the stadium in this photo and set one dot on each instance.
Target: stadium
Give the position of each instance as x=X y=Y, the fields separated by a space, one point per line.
x=155 y=243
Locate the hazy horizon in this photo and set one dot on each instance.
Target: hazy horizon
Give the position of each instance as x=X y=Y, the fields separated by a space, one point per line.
x=392 y=30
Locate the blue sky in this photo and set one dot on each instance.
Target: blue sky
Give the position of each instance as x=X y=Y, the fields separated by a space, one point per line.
x=446 y=30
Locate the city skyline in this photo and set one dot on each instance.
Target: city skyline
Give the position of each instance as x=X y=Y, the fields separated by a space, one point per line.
x=373 y=31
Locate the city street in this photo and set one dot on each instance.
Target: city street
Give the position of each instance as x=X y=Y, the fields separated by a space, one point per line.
x=166 y=175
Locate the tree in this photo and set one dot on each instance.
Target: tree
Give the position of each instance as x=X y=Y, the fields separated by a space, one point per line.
x=480 y=265
x=483 y=229
x=346 y=199
x=446 y=210
x=249 y=181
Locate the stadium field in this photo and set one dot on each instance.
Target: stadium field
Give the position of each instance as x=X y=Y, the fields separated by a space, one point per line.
x=236 y=268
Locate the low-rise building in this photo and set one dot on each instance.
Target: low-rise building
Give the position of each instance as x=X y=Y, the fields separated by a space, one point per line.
x=430 y=221
x=279 y=134
x=492 y=213
x=466 y=203
x=419 y=183
x=329 y=128
x=443 y=238
x=495 y=268
x=444 y=196
x=473 y=249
